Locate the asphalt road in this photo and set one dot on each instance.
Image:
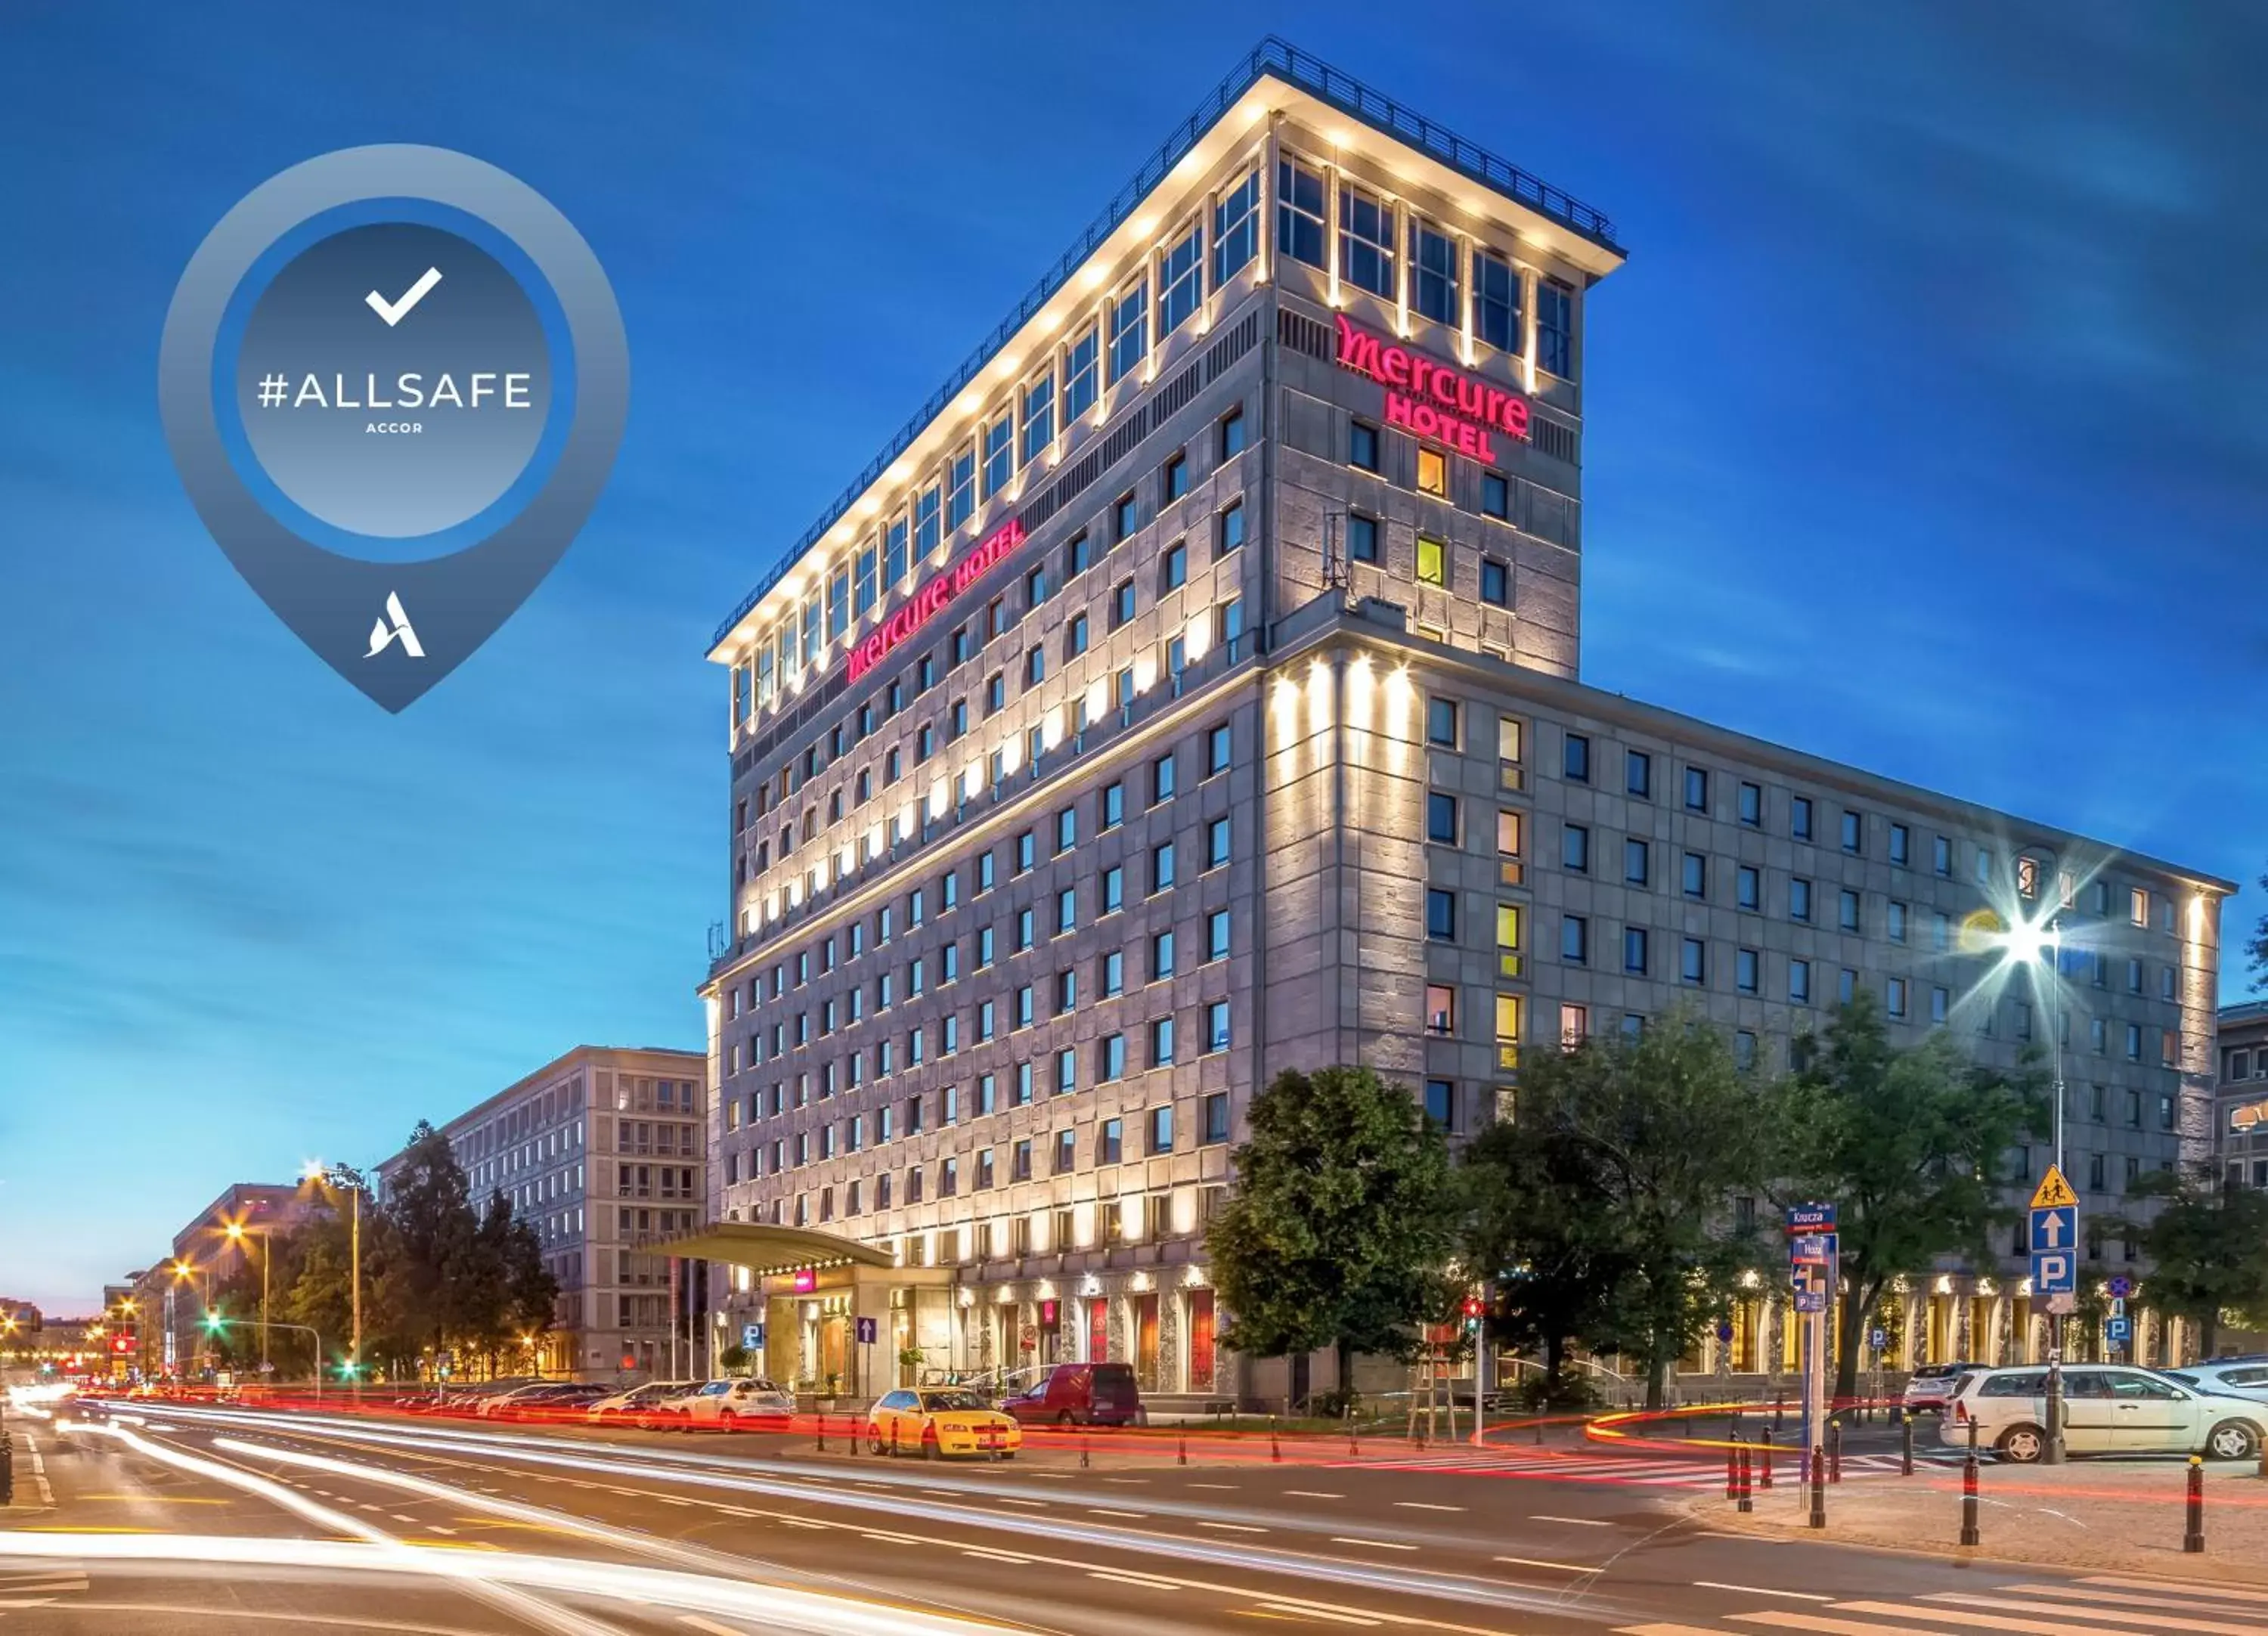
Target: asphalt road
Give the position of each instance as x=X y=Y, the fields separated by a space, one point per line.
x=203 y=1520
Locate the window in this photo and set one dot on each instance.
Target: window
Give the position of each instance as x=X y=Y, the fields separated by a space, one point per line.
x=1577 y=765
x=1442 y=817
x=1748 y=885
x=1432 y=562
x=1800 y=818
x=1799 y=900
x=1177 y=478
x=1434 y=275
x=1752 y=804
x=1075 y=639
x=999 y=443
x=1362 y=538
x=1215 y=1113
x=1174 y=569
x=1232 y=434
x=1942 y=857
x=1160 y=1123
x=1496 y=303
x=1217 y=750
x=1696 y=883
x=1111 y=1142
x=1555 y=328
x=1496 y=583
x=1038 y=415
x=1433 y=473
x=1638 y=774
x=1161 y=779
x=1162 y=1043
x=1161 y=866
x=1161 y=955
x=1441 y=915
x=1217 y=1026
x=1111 y=1057
x=1441 y=1102
x=1847 y=910
x=1900 y=842
x=1575 y=940
x=1853 y=831
x=1440 y=1009
x=1745 y=962
x=1230 y=530
x=1181 y=279
x=1217 y=843
x=1635 y=856
x=1634 y=950
x=1365 y=239
x=2138 y=907
x=1079 y=387
x=1299 y=196
x=1894 y=923
x=1217 y=935
x=1940 y=1004
x=1441 y=722
x=1496 y=496
x=1691 y=961
x=1799 y=981
x=1130 y=329
x=1895 y=997
x=1575 y=848
x=1362 y=446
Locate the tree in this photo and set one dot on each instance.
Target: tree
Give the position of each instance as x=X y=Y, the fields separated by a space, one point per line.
x=2207 y=1245
x=1339 y=1230
x=734 y=1359
x=1646 y=1137
x=1532 y=1223
x=2255 y=946
x=1908 y=1144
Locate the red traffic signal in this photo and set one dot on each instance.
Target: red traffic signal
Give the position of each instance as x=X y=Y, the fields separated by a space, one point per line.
x=1473 y=1307
x=121 y=1342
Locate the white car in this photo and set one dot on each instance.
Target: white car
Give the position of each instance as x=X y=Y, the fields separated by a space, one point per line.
x=648 y=1406
x=729 y=1404
x=2107 y=1409
x=2232 y=1377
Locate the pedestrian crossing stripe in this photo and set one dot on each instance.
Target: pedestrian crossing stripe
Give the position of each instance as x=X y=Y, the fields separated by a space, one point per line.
x=2098 y=1605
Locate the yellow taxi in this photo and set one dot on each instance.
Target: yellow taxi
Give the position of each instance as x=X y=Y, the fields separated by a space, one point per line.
x=934 y=1420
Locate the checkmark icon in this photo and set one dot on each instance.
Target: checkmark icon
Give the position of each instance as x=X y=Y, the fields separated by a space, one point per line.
x=394 y=312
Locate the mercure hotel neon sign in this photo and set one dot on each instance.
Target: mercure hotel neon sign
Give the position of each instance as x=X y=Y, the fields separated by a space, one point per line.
x=1431 y=398
x=933 y=593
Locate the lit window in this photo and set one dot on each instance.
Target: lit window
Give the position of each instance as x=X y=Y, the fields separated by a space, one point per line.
x=1299 y=196
x=1433 y=473
x=1433 y=273
x=1130 y=329
x=1181 y=279
x=1496 y=303
x=1235 y=227
x=1432 y=562
x=1365 y=239
x=1440 y=1008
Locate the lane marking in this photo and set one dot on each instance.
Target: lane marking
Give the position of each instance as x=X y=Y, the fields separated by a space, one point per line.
x=1539 y=1516
x=1099 y=1511
x=1144 y=1580
x=1668 y=1630
x=2122 y=1597
x=1011 y=1499
x=1337 y=1616
x=1762 y=1590
x=1421 y=1504
x=1831 y=1628
x=1537 y=1562
x=1373 y=1544
x=1233 y=1528
x=2220 y=1592
x=1228 y=1488
x=994 y=1556
x=2041 y=1627
x=1311 y=1493
x=710 y=1626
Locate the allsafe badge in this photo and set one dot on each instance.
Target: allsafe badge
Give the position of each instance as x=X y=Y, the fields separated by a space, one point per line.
x=393 y=380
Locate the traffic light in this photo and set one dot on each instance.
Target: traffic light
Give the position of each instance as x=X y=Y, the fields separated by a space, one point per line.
x=121 y=1343
x=215 y=1323
x=1473 y=1308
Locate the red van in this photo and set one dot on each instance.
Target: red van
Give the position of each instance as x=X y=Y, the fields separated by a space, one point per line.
x=1078 y=1393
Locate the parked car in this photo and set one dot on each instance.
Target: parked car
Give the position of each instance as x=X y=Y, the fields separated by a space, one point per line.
x=2107 y=1409
x=1078 y=1394
x=939 y=1420
x=650 y=1405
x=545 y=1400
x=1930 y=1384
x=2227 y=1377
x=727 y=1405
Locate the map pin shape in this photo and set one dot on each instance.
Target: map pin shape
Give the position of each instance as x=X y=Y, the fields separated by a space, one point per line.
x=394 y=379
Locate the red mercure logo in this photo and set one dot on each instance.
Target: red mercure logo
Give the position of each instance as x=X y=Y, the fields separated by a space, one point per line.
x=933 y=593
x=1431 y=398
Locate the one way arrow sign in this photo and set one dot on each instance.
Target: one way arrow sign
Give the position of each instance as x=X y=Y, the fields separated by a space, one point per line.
x=2056 y=1228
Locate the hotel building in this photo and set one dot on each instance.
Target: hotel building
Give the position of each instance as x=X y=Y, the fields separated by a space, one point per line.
x=601 y=1152
x=1189 y=691
x=2240 y=1097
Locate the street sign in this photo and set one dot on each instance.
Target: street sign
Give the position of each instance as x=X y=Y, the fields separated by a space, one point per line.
x=2121 y=1288
x=752 y=1336
x=868 y=1329
x=1810 y=1279
x=2055 y=1272
x=1810 y=1218
x=2055 y=1227
x=2118 y=1308
x=2120 y=1330
x=2063 y=1305
x=1724 y=1332
x=2053 y=1192
x=1879 y=1338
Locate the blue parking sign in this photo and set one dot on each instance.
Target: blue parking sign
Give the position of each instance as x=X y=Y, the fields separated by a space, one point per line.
x=2120 y=1330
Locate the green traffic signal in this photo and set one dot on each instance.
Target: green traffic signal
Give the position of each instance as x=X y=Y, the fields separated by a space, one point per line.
x=213 y=1322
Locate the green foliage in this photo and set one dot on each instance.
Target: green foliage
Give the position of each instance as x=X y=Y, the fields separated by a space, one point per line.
x=734 y=1359
x=2208 y=1246
x=1602 y=1204
x=1340 y=1229
x=1909 y=1143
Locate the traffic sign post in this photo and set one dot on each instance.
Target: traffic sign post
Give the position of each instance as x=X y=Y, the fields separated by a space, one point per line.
x=2054 y=1243
x=1812 y=1274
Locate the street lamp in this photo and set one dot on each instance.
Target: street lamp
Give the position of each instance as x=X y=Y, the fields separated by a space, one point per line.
x=2023 y=943
x=341 y=1176
x=236 y=1233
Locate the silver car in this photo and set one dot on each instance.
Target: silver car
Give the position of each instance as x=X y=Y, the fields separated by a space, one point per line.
x=2107 y=1409
x=2231 y=1377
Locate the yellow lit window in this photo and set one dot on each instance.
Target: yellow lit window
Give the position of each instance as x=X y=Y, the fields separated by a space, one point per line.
x=1433 y=473
x=1432 y=562
x=1508 y=1008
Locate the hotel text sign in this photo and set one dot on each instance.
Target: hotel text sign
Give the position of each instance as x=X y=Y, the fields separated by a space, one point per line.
x=933 y=593
x=1431 y=398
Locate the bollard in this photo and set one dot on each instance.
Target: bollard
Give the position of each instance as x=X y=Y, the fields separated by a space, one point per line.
x=7 y=1468
x=1539 y=1436
x=1969 y=1536
x=1354 y=1442
x=1275 y=1448
x=893 y=1440
x=1779 y=1412
x=2193 y=1533
x=1818 y=1487
x=1747 y=1502
x=822 y=1431
x=1763 y=1454
x=1082 y=1452
x=1182 y=1450
x=1834 y=1451
x=1905 y=1449
x=1733 y=1469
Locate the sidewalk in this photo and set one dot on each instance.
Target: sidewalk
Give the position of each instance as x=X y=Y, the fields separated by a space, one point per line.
x=2088 y=1514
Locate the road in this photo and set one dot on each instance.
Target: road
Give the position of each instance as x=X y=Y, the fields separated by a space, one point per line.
x=210 y=1519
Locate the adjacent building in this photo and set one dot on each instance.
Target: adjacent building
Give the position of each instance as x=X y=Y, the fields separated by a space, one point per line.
x=1190 y=691
x=2239 y=1100
x=602 y=1152
x=223 y=1243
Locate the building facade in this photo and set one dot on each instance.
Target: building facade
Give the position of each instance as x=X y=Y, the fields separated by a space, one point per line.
x=222 y=1243
x=1190 y=693
x=601 y=1152
x=2240 y=1102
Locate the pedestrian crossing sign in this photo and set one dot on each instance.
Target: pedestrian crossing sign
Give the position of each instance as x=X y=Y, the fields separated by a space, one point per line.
x=2053 y=1192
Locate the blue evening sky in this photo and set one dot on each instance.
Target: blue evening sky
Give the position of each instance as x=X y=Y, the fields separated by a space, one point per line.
x=1925 y=432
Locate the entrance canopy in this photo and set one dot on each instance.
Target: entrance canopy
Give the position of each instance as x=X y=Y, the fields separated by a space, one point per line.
x=767 y=1250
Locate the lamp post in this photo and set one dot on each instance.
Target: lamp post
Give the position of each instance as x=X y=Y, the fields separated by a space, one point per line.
x=341 y=1176
x=236 y=1233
